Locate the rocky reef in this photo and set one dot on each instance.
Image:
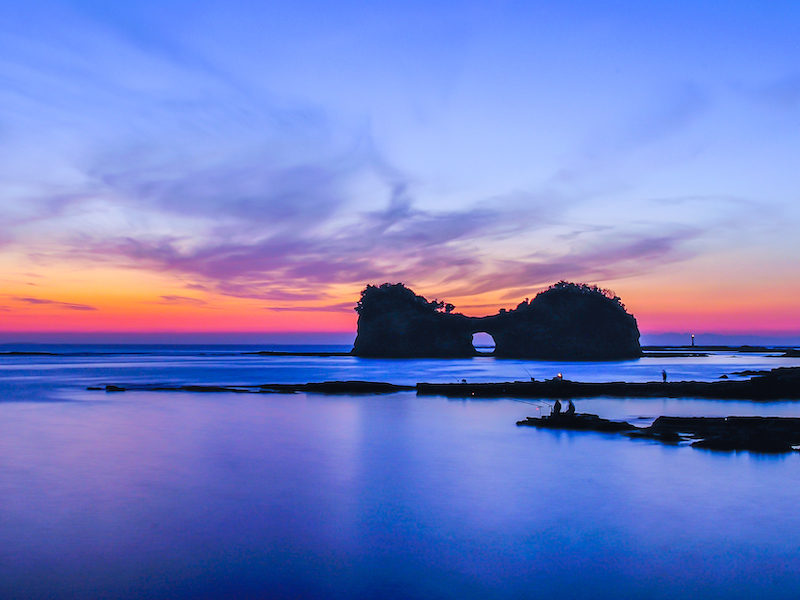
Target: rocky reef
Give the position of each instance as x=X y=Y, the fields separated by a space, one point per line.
x=772 y=435
x=568 y=321
x=756 y=434
x=778 y=384
x=577 y=422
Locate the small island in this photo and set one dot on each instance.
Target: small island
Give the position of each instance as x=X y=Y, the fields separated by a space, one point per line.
x=568 y=321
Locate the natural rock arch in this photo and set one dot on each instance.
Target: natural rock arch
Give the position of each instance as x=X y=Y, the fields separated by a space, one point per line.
x=479 y=341
x=568 y=321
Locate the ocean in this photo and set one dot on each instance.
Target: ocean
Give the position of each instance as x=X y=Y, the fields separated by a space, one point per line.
x=230 y=495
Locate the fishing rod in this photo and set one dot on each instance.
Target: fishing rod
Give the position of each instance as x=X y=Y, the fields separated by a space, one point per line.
x=536 y=403
x=541 y=402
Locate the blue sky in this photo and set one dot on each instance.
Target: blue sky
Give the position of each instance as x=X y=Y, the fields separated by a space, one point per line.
x=290 y=153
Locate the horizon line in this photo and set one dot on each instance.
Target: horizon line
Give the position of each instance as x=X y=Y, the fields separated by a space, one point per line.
x=342 y=337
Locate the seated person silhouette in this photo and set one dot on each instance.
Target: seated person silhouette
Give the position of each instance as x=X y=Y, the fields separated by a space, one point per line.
x=557 y=408
x=570 y=410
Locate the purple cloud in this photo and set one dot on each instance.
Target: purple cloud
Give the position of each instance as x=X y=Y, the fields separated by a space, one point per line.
x=55 y=303
x=276 y=220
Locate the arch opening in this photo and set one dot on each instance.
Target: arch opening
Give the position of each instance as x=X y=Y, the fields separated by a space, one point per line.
x=483 y=343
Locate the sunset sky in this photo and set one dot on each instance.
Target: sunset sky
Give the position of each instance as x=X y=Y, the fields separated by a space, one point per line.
x=249 y=166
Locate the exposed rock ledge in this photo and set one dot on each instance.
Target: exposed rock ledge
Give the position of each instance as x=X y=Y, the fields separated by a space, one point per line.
x=778 y=384
x=754 y=434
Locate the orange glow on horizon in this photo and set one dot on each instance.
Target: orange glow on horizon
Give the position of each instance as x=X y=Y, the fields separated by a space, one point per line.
x=103 y=299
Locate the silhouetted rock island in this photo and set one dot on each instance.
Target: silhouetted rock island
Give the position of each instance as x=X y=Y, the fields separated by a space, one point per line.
x=568 y=321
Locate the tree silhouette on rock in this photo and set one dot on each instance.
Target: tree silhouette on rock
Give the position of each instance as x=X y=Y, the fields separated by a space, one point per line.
x=567 y=321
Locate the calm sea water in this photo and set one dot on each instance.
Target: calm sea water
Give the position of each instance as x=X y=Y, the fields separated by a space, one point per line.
x=179 y=495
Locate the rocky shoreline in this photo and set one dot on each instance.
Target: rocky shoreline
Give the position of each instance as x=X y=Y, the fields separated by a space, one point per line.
x=325 y=387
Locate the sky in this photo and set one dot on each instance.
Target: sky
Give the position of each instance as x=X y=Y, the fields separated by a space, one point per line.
x=250 y=166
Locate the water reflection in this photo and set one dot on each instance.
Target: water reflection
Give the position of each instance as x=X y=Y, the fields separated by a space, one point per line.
x=223 y=496
x=283 y=496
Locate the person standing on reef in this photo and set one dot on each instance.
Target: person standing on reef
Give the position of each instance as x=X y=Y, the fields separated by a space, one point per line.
x=557 y=408
x=663 y=376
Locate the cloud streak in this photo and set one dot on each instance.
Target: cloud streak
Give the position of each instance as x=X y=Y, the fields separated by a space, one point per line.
x=339 y=307
x=182 y=300
x=401 y=243
x=168 y=165
x=52 y=303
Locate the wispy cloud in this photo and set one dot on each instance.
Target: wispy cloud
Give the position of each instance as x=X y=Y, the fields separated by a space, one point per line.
x=782 y=93
x=602 y=259
x=196 y=286
x=53 y=303
x=300 y=263
x=400 y=244
x=651 y=135
x=172 y=166
x=183 y=300
x=339 y=307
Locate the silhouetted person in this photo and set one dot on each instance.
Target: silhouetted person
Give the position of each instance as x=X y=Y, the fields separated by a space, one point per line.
x=570 y=409
x=557 y=408
x=663 y=376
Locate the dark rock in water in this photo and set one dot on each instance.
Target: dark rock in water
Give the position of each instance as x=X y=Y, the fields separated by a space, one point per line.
x=667 y=436
x=354 y=387
x=576 y=422
x=755 y=434
x=781 y=383
x=754 y=443
x=325 y=387
x=568 y=321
